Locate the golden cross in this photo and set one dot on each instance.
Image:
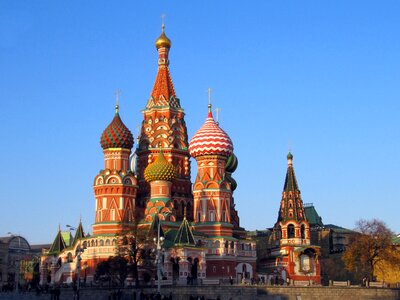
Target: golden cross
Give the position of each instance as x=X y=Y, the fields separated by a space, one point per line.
x=162 y=20
x=117 y=94
x=217 y=110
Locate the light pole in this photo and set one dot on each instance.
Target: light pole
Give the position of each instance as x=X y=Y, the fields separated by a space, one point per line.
x=159 y=241
x=78 y=252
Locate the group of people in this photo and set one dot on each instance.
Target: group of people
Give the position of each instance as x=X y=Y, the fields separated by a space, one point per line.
x=158 y=296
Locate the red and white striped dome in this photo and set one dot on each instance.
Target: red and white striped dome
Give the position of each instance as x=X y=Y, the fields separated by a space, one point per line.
x=210 y=139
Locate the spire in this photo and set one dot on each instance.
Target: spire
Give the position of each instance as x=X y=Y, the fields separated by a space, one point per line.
x=184 y=236
x=163 y=93
x=290 y=180
x=117 y=94
x=58 y=243
x=209 y=90
x=79 y=234
x=291 y=202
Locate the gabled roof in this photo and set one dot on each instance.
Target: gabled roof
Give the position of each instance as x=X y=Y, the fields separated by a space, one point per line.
x=184 y=236
x=79 y=234
x=58 y=244
x=153 y=230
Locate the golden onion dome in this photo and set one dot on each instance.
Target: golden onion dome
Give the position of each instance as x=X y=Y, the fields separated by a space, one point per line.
x=163 y=40
x=160 y=169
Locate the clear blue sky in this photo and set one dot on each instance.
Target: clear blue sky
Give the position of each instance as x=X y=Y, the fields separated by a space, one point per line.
x=323 y=76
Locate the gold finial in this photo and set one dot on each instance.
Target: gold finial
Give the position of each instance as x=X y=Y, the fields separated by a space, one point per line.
x=217 y=110
x=184 y=212
x=162 y=40
x=117 y=94
x=209 y=99
x=162 y=22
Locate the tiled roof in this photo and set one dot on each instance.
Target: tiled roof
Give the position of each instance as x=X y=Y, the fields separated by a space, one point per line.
x=312 y=216
x=79 y=234
x=184 y=236
x=58 y=244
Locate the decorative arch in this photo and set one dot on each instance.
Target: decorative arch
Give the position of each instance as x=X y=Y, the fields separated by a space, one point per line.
x=198 y=186
x=212 y=185
x=99 y=181
x=114 y=178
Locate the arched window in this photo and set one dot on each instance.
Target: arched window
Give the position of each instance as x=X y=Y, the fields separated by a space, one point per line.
x=303 y=231
x=107 y=242
x=69 y=257
x=101 y=243
x=290 y=231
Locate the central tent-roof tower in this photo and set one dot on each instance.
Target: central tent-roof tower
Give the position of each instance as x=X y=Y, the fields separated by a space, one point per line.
x=164 y=126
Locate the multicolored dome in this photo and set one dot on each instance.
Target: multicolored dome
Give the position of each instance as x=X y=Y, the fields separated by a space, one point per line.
x=210 y=139
x=160 y=169
x=231 y=163
x=116 y=135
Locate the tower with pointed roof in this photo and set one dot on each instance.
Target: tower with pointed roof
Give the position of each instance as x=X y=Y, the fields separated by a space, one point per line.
x=115 y=186
x=293 y=255
x=164 y=126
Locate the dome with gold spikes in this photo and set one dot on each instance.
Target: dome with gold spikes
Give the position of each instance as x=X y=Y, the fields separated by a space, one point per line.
x=163 y=40
x=160 y=169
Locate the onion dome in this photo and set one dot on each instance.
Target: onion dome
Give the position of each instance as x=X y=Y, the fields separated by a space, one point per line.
x=160 y=169
x=116 y=135
x=290 y=155
x=210 y=139
x=163 y=40
x=231 y=163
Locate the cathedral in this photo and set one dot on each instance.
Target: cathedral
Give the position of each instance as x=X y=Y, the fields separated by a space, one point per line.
x=148 y=188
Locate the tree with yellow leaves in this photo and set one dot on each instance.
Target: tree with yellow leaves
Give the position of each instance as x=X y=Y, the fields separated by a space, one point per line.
x=369 y=249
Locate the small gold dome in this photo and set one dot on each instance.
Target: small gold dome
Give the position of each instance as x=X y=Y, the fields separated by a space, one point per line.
x=160 y=169
x=162 y=40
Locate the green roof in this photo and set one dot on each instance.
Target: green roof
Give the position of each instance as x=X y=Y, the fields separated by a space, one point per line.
x=184 y=236
x=338 y=228
x=79 y=234
x=58 y=244
x=312 y=216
